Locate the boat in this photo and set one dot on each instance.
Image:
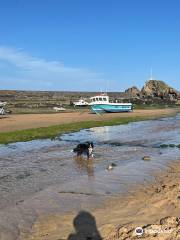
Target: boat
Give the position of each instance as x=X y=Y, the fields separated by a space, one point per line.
x=2 y=111
x=57 y=109
x=81 y=103
x=2 y=104
x=101 y=104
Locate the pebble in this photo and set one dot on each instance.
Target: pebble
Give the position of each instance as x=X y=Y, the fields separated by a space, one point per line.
x=146 y=158
x=111 y=166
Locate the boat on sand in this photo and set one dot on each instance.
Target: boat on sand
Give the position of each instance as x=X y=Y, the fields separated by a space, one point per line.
x=101 y=104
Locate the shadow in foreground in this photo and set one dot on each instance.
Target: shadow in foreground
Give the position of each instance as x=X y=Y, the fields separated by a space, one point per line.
x=85 y=227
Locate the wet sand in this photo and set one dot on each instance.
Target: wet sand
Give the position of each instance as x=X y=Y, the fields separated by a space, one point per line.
x=155 y=207
x=28 y=121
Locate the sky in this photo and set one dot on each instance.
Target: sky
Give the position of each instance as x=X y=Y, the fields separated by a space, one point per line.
x=88 y=45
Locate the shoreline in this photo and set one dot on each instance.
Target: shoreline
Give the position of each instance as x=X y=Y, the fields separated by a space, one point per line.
x=25 y=127
x=154 y=206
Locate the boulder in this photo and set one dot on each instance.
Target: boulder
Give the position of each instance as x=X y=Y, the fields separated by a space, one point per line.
x=159 y=89
x=146 y=158
x=133 y=91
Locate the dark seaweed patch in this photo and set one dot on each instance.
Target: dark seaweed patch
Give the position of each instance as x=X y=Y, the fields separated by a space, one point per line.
x=23 y=175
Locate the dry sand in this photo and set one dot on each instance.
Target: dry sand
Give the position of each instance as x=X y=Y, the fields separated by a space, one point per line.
x=155 y=207
x=27 y=121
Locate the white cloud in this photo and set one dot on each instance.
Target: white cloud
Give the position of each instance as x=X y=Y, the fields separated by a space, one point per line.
x=23 y=71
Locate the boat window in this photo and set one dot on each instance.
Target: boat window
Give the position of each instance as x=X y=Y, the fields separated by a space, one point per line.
x=104 y=99
x=100 y=99
x=97 y=99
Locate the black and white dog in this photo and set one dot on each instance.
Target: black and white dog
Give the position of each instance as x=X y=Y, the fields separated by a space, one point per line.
x=84 y=148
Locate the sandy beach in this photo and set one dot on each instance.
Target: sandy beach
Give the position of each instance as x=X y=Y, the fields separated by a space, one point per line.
x=28 y=121
x=155 y=207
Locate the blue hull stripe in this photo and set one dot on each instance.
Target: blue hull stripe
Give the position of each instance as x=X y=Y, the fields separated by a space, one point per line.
x=111 y=108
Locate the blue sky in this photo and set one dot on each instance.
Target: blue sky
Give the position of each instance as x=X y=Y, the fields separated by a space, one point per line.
x=88 y=44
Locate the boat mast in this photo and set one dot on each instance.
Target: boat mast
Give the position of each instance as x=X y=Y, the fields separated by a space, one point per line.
x=151 y=76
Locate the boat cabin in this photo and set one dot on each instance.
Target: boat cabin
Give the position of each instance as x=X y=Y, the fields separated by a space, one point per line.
x=101 y=98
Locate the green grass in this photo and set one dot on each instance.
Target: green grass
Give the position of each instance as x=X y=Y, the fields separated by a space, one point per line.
x=53 y=131
x=155 y=106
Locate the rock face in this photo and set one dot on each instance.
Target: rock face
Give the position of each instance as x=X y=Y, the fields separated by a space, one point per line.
x=159 y=89
x=133 y=91
x=153 y=92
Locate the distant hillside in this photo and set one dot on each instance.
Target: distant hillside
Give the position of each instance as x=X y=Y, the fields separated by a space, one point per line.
x=44 y=101
x=153 y=92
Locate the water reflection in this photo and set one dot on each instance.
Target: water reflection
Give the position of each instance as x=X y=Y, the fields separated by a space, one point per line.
x=98 y=132
x=85 y=165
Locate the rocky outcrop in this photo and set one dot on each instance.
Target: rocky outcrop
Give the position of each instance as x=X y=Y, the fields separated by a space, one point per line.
x=159 y=89
x=153 y=92
x=133 y=91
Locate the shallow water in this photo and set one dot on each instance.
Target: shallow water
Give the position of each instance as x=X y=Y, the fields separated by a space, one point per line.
x=43 y=176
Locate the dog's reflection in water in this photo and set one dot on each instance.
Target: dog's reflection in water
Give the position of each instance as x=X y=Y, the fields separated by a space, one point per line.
x=85 y=227
x=85 y=165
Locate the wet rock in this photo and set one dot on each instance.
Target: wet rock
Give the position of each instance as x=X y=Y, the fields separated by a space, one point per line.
x=107 y=192
x=20 y=201
x=169 y=221
x=164 y=146
x=172 y=186
x=158 y=190
x=164 y=186
x=111 y=166
x=63 y=164
x=146 y=158
x=172 y=145
x=116 y=144
x=24 y=175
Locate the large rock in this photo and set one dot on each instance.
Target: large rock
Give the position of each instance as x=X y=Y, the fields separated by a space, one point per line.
x=159 y=89
x=133 y=91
